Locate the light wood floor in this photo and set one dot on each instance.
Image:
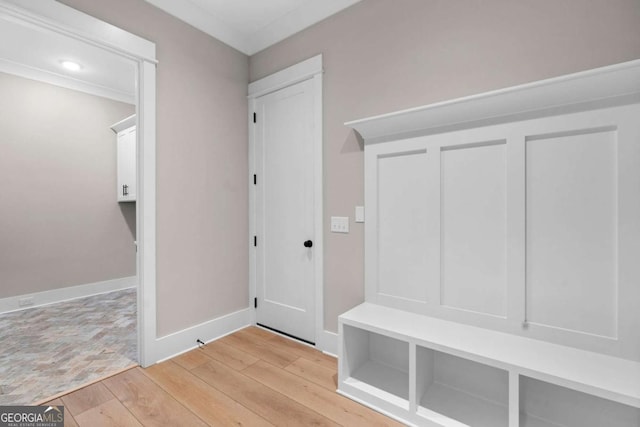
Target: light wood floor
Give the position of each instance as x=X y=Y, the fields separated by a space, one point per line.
x=249 y=378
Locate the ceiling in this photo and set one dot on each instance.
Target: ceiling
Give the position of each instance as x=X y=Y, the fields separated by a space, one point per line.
x=37 y=54
x=252 y=25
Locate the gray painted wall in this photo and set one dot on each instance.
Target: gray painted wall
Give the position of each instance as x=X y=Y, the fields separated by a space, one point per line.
x=60 y=223
x=202 y=176
x=383 y=55
x=380 y=56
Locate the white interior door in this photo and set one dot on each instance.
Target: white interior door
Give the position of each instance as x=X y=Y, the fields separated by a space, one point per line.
x=284 y=158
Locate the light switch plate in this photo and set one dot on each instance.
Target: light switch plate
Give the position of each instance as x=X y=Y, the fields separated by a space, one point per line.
x=359 y=214
x=340 y=224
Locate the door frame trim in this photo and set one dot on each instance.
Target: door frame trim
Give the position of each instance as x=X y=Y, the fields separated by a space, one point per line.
x=310 y=69
x=69 y=22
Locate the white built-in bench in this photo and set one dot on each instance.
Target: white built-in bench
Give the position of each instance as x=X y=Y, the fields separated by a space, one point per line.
x=424 y=370
x=502 y=249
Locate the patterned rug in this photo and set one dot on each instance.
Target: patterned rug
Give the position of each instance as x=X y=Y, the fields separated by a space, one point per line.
x=50 y=349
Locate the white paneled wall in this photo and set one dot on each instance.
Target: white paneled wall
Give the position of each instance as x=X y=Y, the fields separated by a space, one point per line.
x=572 y=229
x=403 y=225
x=473 y=196
x=516 y=227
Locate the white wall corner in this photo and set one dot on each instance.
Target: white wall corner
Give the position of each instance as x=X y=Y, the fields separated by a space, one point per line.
x=182 y=341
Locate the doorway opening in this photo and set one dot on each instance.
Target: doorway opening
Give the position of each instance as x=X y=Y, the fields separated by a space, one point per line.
x=75 y=278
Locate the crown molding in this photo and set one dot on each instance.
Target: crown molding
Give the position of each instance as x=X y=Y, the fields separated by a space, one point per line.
x=597 y=88
x=60 y=80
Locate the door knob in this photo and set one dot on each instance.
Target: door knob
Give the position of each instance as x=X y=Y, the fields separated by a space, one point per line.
x=308 y=244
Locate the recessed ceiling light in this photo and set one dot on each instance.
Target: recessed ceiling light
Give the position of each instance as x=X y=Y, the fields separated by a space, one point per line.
x=71 y=66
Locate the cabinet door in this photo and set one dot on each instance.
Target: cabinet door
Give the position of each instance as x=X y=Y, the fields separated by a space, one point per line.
x=127 y=184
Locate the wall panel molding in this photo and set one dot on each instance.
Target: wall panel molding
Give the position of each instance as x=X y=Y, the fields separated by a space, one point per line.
x=522 y=223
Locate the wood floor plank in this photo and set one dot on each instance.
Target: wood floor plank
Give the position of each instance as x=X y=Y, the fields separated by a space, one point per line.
x=274 y=406
x=191 y=359
x=314 y=372
x=86 y=398
x=108 y=414
x=148 y=402
x=338 y=408
x=69 y=421
x=207 y=402
x=255 y=332
x=301 y=350
x=230 y=356
x=250 y=378
x=258 y=348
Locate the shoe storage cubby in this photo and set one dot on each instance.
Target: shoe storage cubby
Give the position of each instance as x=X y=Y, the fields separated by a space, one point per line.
x=548 y=405
x=466 y=391
x=378 y=364
x=431 y=372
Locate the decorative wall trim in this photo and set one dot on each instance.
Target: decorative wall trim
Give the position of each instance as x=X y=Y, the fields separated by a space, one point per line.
x=27 y=72
x=527 y=302
x=185 y=340
x=78 y=25
x=124 y=124
x=289 y=76
x=598 y=88
x=585 y=123
x=53 y=296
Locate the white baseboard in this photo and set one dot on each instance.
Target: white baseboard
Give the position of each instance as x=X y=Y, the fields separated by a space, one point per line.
x=185 y=340
x=65 y=294
x=180 y=342
x=328 y=343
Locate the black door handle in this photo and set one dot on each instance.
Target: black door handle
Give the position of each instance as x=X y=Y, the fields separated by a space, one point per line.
x=308 y=244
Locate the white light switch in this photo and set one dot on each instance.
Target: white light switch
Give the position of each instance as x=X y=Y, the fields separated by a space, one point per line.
x=340 y=224
x=359 y=213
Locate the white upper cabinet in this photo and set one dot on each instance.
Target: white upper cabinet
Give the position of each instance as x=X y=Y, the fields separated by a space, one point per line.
x=126 y=182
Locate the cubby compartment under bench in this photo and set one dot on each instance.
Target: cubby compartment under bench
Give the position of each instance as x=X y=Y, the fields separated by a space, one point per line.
x=430 y=372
